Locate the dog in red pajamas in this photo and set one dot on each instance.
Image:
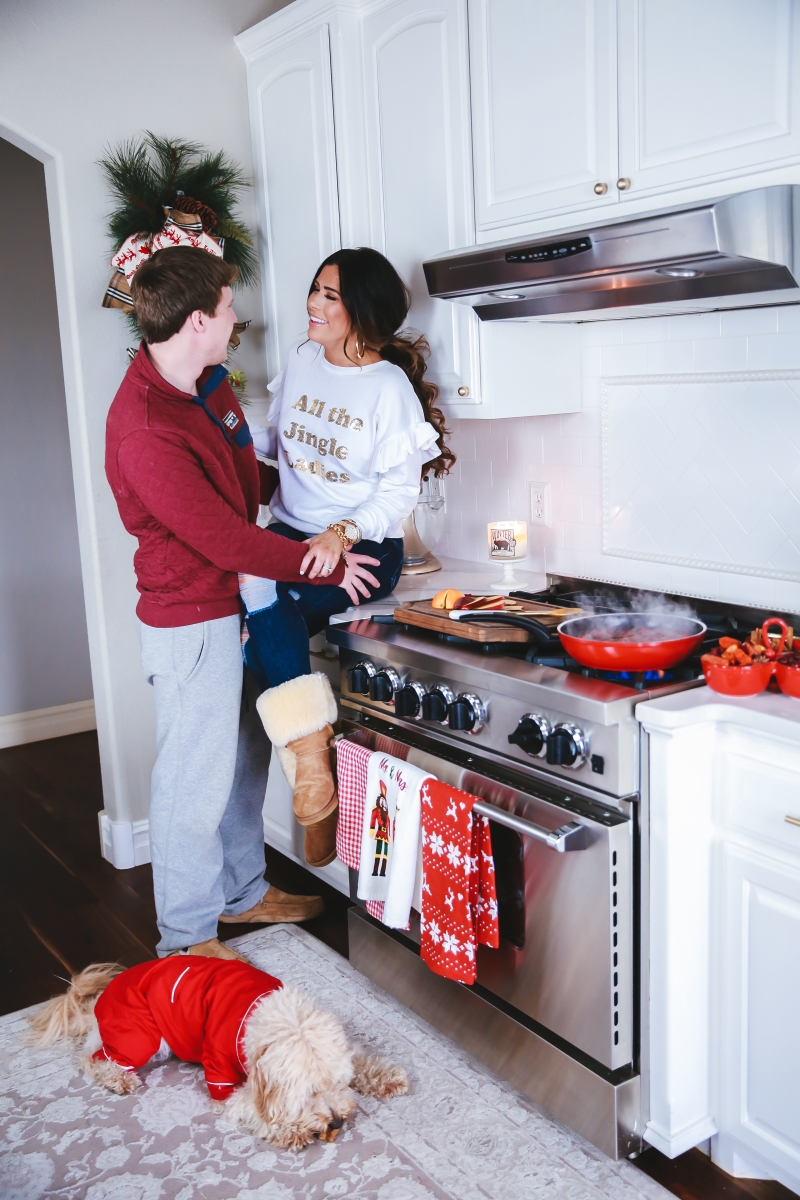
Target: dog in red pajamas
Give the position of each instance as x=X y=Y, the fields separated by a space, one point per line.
x=283 y=1065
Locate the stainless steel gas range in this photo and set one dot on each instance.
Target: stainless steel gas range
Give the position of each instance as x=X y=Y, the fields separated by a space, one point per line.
x=557 y=759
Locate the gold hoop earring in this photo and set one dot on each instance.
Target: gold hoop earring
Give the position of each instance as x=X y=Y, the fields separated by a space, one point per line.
x=359 y=353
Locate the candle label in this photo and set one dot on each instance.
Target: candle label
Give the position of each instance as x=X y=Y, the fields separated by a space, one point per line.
x=503 y=543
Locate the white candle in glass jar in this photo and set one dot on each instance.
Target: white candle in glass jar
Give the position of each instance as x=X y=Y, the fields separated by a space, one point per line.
x=508 y=540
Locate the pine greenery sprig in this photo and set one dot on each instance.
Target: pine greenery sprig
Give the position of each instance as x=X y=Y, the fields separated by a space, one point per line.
x=145 y=175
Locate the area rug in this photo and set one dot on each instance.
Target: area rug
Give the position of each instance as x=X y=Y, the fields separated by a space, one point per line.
x=460 y=1133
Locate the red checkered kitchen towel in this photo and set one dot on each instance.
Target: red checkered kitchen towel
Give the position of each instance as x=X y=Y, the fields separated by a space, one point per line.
x=459 y=898
x=352 y=762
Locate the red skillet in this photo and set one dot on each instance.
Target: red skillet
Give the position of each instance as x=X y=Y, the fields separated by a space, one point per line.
x=630 y=656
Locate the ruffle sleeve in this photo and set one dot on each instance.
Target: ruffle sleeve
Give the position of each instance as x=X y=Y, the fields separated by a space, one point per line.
x=396 y=448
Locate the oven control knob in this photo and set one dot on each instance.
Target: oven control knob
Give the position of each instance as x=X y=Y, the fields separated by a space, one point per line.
x=409 y=700
x=436 y=702
x=567 y=746
x=467 y=713
x=383 y=685
x=358 y=678
x=531 y=734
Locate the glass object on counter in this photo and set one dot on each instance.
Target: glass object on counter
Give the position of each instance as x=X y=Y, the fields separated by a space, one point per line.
x=423 y=527
x=508 y=543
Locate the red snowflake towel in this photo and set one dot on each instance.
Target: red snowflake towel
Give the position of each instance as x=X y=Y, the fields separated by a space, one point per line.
x=459 y=899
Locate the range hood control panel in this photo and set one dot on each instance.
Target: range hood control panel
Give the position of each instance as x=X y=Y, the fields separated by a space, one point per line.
x=549 y=253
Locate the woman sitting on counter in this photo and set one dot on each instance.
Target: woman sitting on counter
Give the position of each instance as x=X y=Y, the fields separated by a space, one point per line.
x=353 y=427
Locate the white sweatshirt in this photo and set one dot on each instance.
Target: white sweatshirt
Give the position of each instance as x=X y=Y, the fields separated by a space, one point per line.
x=349 y=442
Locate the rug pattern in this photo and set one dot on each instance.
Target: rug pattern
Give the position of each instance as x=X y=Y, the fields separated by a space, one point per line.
x=460 y=1133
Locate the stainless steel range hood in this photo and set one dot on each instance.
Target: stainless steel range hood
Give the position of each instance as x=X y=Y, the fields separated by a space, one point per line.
x=737 y=252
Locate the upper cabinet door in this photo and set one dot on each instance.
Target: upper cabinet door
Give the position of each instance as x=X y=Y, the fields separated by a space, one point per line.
x=419 y=167
x=294 y=161
x=544 y=107
x=706 y=89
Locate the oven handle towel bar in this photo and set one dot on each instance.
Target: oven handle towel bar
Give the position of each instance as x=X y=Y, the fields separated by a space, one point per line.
x=569 y=837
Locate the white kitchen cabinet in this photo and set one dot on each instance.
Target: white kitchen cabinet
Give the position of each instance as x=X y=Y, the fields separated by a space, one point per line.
x=544 y=107
x=723 y=1054
x=415 y=83
x=706 y=90
x=294 y=165
x=758 y=1049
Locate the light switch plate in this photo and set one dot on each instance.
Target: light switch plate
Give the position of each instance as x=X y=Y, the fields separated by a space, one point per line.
x=540 y=504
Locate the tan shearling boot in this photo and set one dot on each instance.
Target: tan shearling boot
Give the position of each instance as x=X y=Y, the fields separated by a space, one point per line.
x=298 y=716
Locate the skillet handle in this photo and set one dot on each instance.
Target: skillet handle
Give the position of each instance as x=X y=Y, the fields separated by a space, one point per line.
x=539 y=632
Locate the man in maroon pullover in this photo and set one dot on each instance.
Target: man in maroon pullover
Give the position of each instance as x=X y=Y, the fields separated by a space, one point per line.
x=181 y=465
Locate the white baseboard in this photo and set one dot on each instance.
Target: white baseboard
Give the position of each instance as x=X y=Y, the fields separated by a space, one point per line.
x=42 y=723
x=124 y=843
x=675 y=1142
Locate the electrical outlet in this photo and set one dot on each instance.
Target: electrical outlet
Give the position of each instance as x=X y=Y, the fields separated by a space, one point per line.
x=540 y=504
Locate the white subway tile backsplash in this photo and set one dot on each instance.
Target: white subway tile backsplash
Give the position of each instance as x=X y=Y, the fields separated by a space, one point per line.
x=499 y=459
x=524 y=449
x=568 y=507
x=601 y=333
x=563 y=451
x=590 y=360
x=720 y=354
x=624 y=360
x=694 y=326
x=742 y=322
x=788 y=318
x=670 y=358
x=773 y=352
x=478 y=472
x=590 y=393
x=645 y=329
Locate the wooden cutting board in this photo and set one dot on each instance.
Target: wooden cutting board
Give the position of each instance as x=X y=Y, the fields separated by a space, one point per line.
x=422 y=614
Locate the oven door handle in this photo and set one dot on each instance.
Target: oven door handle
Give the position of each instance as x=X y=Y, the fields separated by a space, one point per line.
x=569 y=837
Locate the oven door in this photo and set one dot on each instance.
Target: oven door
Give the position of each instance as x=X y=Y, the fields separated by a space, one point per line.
x=565 y=902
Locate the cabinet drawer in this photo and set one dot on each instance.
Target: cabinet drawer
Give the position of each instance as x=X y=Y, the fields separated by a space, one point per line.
x=756 y=797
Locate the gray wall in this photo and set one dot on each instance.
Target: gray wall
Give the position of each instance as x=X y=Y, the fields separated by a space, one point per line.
x=44 y=651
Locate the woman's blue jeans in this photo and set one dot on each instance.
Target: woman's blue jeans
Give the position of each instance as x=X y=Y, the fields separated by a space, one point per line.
x=277 y=649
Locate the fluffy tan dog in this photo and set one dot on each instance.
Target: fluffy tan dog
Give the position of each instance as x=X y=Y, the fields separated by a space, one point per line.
x=298 y=1073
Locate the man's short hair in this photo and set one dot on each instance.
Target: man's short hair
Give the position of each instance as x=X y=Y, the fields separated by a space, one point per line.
x=174 y=283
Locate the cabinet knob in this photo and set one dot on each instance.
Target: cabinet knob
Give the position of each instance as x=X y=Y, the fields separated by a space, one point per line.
x=463 y=391
x=600 y=189
x=623 y=184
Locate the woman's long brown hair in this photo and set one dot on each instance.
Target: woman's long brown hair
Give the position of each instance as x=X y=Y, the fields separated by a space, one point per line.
x=377 y=302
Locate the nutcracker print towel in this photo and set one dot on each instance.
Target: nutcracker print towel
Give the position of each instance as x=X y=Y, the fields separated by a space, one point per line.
x=352 y=764
x=390 y=836
x=459 y=899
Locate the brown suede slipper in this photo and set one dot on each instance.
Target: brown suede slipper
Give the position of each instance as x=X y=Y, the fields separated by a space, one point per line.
x=213 y=948
x=277 y=907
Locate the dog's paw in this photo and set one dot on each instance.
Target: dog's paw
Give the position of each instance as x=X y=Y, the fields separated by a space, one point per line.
x=378 y=1077
x=128 y=1082
x=109 y=1076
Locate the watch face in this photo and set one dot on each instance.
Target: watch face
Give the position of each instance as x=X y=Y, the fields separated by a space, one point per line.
x=350 y=532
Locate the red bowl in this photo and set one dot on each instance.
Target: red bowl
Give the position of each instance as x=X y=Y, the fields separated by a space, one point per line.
x=788 y=679
x=737 y=681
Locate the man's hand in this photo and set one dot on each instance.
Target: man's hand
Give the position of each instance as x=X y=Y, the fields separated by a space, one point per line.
x=356 y=576
x=324 y=552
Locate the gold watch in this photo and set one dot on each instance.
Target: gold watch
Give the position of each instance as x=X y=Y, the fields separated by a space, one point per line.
x=347 y=532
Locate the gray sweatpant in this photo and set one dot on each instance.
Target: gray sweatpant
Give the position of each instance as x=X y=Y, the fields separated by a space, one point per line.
x=209 y=779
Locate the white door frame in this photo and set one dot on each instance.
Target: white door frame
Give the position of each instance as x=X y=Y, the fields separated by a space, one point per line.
x=53 y=163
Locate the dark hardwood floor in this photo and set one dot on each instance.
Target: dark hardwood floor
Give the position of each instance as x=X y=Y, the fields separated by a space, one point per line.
x=62 y=906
